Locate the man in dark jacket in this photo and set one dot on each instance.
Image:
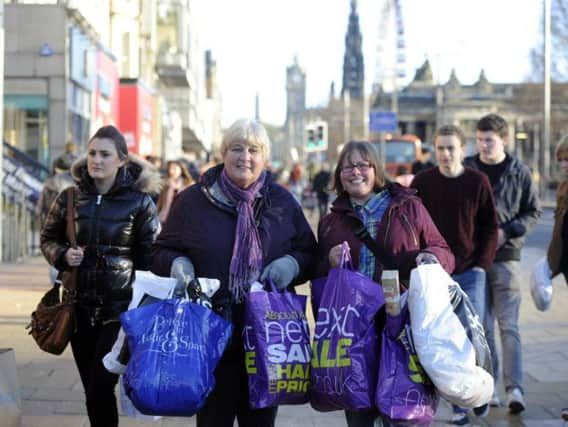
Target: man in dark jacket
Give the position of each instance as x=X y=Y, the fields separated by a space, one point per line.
x=460 y=202
x=518 y=209
x=320 y=186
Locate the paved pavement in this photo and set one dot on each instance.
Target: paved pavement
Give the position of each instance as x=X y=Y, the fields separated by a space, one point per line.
x=52 y=394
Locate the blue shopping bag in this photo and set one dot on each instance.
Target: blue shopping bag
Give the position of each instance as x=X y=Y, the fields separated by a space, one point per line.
x=175 y=346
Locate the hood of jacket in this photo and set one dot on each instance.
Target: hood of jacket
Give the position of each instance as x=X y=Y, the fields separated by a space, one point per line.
x=136 y=174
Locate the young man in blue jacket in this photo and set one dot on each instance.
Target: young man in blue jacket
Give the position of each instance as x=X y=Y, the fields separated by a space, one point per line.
x=518 y=209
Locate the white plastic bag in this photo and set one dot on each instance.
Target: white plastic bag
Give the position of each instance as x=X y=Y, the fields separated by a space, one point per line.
x=541 y=284
x=442 y=345
x=10 y=399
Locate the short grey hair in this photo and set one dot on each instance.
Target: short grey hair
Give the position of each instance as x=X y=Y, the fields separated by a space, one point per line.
x=248 y=131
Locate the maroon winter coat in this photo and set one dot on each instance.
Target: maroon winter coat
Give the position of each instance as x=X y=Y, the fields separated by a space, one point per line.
x=405 y=230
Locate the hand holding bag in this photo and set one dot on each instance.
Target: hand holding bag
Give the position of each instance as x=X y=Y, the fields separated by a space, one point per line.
x=53 y=321
x=175 y=346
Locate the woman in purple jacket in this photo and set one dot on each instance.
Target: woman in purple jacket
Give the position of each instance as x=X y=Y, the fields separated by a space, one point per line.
x=394 y=217
x=239 y=226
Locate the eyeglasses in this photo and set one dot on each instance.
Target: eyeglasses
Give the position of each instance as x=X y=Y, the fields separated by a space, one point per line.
x=362 y=166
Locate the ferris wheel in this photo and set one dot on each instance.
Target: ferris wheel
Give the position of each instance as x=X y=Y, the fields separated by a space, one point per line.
x=390 y=64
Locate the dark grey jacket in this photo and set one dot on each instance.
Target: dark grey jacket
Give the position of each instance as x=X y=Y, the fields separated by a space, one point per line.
x=517 y=204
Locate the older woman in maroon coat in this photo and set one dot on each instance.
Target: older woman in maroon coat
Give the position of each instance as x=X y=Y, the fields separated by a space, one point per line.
x=393 y=216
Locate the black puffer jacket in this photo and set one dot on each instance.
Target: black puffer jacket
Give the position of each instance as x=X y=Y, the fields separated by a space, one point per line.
x=116 y=231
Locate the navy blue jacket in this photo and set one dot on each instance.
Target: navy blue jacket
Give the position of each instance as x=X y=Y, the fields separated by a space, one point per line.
x=202 y=228
x=517 y=205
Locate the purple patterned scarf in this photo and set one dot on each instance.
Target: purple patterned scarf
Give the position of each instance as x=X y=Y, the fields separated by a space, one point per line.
x=247 y=251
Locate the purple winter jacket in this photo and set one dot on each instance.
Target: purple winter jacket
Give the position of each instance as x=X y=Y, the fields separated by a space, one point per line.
x=203 y=229
x=405 y=230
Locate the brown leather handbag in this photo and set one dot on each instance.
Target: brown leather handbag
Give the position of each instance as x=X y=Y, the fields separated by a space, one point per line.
x=53 y=321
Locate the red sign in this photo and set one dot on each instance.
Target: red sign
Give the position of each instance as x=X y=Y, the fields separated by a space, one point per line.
x=105 y=99
x=137 y=111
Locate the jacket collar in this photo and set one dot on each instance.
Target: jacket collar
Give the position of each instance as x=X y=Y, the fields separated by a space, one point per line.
x=211 y=190
x=399 y=195
x=137 y=175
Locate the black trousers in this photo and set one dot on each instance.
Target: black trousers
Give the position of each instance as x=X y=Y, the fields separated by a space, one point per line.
x=90 y=344
x=229 y=399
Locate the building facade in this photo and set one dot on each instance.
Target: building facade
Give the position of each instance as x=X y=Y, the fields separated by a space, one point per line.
x=63 y=77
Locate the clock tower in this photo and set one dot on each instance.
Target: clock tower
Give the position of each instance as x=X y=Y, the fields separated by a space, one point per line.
x=295 y=108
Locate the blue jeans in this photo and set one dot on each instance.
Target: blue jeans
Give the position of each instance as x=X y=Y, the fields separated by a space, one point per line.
x=503 y=305
x=473 y=283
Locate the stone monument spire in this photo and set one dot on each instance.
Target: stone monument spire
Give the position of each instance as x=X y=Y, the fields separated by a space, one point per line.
x=353 y=66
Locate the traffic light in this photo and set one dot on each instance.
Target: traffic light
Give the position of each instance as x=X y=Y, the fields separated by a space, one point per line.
x=316 y=137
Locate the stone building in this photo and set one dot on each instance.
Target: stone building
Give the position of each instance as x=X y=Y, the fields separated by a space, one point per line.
x=424 y=105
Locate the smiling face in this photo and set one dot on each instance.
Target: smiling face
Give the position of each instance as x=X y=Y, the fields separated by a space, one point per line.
x=357 y=177
x=244 y=163
x=103 y=161
x=449 y=154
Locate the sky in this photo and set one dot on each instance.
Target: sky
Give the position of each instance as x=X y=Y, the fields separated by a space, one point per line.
x=253 y=41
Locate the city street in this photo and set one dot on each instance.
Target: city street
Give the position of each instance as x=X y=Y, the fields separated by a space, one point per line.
x=52 y=394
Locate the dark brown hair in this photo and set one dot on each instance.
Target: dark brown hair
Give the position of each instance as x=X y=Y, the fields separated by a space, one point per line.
x=451 y=130
x=493 y=123
x=368 y=153
x=112 y=133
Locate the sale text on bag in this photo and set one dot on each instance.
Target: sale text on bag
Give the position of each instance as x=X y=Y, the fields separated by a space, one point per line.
x=287 y=351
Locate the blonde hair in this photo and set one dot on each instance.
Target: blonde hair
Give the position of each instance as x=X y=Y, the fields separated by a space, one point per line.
x=248 y=131
x=562 y=148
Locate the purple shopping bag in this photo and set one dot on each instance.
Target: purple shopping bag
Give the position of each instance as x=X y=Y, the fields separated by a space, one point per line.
x=345 y=348
x=404 y=391
x=276 y=340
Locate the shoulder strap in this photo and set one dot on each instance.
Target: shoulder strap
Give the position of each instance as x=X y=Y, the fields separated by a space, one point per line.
x=363 y=235
x=70 y=230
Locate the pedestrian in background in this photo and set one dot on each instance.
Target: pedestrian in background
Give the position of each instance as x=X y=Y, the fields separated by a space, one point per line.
x=403 y=177
x=424 y=162
x=394 y=217
x=321 y=187
x=236 y=225
x=296 y=182
x=177 y=179
x=58 y=181
x=54 y=184
x=69 y=154
x=460 y=202
x=116 y=223
x=518 y=209
x=557 y=253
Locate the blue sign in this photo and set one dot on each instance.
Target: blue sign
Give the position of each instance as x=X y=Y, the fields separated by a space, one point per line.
x=382 y=121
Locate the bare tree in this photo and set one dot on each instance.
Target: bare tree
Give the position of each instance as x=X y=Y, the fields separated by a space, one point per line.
x=559 y=33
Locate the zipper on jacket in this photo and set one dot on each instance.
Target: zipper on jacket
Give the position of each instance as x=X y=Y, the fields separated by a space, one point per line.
x=388 y=227
x=407 y=221
x=99 y=198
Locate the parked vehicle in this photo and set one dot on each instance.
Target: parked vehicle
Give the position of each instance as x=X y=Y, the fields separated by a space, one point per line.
x=400 y=150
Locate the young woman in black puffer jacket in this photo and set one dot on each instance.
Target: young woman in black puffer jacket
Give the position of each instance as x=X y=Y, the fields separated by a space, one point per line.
x=116 y=223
